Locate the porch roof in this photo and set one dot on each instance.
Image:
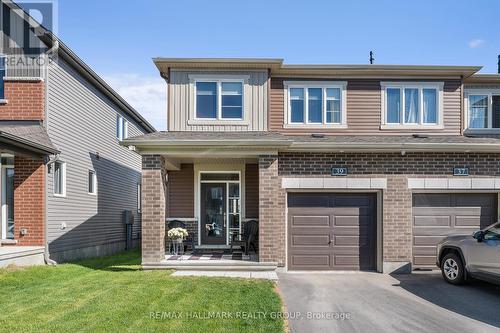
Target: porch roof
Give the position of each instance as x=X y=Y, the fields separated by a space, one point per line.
x=314 y=142
x=26 y=137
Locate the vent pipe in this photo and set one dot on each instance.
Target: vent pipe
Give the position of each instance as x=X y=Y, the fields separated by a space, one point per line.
x=498 y=64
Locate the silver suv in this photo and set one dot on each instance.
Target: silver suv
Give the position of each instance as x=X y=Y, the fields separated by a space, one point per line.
x=476 y=256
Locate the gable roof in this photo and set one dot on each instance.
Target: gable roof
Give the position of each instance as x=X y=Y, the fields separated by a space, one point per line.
x=67 y=54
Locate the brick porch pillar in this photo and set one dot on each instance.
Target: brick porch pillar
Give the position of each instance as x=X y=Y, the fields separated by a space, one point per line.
x=153 y=208
x=271 y=212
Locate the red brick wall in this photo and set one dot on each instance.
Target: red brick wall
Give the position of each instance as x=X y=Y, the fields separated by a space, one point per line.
x=29 y=200
x=25 y=101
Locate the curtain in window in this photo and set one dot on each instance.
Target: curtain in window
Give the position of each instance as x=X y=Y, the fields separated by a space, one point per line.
x=430 y=106
x=411 y=105
x=478 y=111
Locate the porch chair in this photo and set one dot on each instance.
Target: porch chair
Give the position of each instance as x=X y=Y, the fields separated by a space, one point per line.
x=189 y=240
x=248 y=237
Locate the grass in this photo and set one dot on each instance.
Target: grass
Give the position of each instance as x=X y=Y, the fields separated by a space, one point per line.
x=114 y=294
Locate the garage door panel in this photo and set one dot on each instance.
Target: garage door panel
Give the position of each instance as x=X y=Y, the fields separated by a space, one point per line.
x=310 y=221
x=310 y=240
x=351 y=229
x=433 y=220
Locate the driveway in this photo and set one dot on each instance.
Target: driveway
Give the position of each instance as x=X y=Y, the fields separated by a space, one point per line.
x=372 y=302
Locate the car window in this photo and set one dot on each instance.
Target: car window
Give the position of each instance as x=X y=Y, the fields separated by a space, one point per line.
x=493 y=233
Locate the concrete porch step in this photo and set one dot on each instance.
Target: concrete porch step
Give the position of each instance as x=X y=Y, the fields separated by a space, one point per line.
x=212 y=265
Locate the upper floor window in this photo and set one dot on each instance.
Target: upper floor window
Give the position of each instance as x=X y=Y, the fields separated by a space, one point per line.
x=121 y=127
x=2 y=76
x=411 y=104
x=59 y=178
x=483 y=109
x=315 y=104
x=92 y=182
x=219 y=100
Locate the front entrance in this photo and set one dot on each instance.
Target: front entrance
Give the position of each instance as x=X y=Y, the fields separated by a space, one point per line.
x=219 y=207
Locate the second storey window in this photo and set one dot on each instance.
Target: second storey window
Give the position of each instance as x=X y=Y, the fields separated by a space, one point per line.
x=411 y=104
x=121 y=128
x=2 y=75
x=483 y=110
x=219 y=100
x=315 y=104
x=59 y=178
x=92 y=182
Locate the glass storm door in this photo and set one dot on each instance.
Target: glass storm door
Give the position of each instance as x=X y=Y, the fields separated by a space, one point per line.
x=213 y=213
x=7 y=202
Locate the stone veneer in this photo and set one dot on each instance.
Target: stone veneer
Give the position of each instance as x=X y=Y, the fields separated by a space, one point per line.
x=397 y=198
x=153 y=208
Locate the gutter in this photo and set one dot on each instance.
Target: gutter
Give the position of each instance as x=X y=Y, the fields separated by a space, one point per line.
x=372 y=147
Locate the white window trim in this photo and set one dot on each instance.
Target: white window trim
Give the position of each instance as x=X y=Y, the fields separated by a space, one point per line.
x=439 y=86
x=218 y=78
x=342 y=85
x=63 y=169
x=487 y=92
x=94 y=180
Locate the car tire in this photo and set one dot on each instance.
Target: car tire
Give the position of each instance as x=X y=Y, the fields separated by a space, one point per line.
x=453 y=269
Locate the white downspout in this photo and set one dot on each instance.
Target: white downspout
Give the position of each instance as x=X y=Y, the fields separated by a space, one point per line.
x=52 y=50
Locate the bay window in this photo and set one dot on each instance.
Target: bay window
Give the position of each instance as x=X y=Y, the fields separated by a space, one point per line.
x=411 y=104
x=315 y=104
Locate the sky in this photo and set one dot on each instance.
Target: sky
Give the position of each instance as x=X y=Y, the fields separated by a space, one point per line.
x=119 y=38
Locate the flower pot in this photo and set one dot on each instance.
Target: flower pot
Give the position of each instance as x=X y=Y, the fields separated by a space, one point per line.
x=177 y=240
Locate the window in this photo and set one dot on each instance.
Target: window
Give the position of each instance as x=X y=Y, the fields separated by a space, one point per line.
x=92 y=182
x=219 y=99
x=59 y=178
x=121 y=128
x=411 y=104
x=493 y=233
x=139 y=194
x=483 y=110
x=2 y=75
x=315 y=104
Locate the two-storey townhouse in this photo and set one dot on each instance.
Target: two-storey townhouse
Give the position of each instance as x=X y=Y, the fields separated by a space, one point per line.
x=346 y=167
x=65 y=179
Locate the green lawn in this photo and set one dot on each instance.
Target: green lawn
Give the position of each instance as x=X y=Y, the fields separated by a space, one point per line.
x=114 y=294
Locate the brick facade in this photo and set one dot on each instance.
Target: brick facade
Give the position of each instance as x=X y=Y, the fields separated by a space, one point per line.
x=397 y=198
x=29 y=200
x=153 y=208
x=25 y=101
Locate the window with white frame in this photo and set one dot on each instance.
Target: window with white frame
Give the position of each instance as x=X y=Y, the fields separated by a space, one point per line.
x=220 y=99
x=483 y=109
x=139 y=197
x=315 y=103
x=59 y=178
x=92 y=182
x=121 y=127
x=412 y=104
x=2 y=75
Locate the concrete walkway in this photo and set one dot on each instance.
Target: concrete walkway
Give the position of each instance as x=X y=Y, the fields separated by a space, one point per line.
x=237 y=274
x=373 y=302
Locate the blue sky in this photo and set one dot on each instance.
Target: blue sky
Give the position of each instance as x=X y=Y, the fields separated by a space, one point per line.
x=119 y=38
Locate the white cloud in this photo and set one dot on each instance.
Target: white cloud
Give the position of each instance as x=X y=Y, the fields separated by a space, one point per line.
x=148 y=95
x=475 y=43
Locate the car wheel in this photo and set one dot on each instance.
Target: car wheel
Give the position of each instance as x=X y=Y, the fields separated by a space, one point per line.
x=453 y=269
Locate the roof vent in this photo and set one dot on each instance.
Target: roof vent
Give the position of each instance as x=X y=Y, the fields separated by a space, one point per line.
x=420 y=136
x=317 y=135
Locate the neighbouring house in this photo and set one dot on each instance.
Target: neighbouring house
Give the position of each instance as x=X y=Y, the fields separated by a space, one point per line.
x=346 y=167
x=66 y=182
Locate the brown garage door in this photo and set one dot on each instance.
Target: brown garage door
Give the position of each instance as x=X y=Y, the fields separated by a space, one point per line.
x=332 y=231
x=438 y=215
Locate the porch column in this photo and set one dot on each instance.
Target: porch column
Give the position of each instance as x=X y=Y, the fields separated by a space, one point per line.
x=271 y=212
x=153 y=208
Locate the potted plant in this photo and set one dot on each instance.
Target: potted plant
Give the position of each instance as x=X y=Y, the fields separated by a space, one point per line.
x=177 y=235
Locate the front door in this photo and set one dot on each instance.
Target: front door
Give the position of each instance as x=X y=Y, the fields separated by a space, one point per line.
x=213 y=213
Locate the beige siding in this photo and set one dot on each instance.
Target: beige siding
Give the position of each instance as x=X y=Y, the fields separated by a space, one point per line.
x=180 y=192
x=180 y=103
x=364 y=102
x=252 y=191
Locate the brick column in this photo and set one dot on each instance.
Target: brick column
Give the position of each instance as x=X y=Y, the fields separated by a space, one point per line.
x=271 y=212
x=29 y=200
x=153 y=208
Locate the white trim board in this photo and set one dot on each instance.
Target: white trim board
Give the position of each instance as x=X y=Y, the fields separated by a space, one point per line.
x=334 y=183
x=465 y=183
